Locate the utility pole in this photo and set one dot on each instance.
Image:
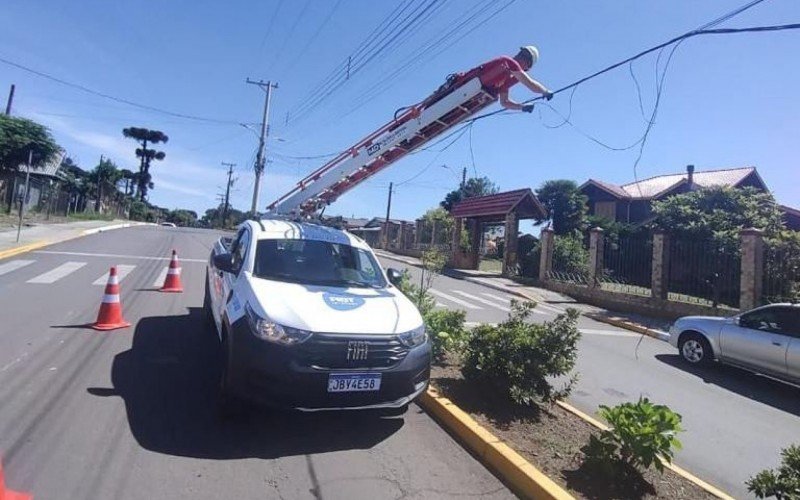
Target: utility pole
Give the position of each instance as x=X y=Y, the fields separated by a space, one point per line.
x=386 y=223
x=10 y=99
x=226 y=205
x=99 y=186
x=260 y=160
x=463 y=179
x=23 y=199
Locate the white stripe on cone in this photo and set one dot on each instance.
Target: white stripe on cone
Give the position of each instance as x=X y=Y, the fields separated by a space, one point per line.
x=110 y=299
x=174 y=270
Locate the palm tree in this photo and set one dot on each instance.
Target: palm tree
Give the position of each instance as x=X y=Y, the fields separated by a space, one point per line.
x=144 y=136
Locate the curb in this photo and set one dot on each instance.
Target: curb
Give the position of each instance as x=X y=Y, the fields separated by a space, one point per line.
x=709 y=488
x=512 y=467
x=11 y=252
x=621 y=323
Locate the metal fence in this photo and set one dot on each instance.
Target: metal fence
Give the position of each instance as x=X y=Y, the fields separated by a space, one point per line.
x=627 y=264
x=781 y=281
x=703 y=272
x=570 y=260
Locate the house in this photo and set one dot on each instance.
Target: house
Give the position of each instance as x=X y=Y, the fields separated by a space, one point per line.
x=632 y=202
x=791 y=217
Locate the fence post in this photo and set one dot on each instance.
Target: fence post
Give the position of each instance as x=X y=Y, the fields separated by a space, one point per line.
x=510 y=252
x=433 y=232
x=458 y=223
x=596 y=247
x=752 y=275
x=546 y=257
x=659 y=286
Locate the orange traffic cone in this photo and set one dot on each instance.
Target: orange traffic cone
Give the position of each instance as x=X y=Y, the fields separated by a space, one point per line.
x=8 y=494
x=110 y=315
x=173 y=281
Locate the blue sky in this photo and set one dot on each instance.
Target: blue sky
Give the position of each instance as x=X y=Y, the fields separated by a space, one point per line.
x=728 y=100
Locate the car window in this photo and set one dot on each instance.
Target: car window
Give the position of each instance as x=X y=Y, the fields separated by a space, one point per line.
x=317 y=262
x=239 y=249
x=769 y=319
x=791 y=322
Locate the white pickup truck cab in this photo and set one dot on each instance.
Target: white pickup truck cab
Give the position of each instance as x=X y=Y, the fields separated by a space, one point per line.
x=308 y=320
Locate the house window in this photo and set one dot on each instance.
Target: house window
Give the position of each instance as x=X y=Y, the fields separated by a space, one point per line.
x=606 y=209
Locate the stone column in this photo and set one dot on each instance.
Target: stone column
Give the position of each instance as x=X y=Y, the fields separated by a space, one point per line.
x=546 y=240
x=510 y=253
x=596 y=247
x=659 y=286
x=752 y=275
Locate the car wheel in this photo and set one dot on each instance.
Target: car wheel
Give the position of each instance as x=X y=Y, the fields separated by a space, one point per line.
x=229 y=406
x=207 y=304
x=695 y=349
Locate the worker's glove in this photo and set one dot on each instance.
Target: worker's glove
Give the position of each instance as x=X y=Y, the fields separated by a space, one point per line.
x=527 y=108
x=547 y=95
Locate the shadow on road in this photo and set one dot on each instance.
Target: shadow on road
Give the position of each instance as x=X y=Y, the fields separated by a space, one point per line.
x=168 y=381
x=765 y=390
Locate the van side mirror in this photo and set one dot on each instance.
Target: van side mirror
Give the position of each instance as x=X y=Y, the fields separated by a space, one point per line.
x=224 y=262
x=395 y=276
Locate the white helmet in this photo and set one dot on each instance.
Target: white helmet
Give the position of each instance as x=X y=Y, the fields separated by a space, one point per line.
x=532 y=51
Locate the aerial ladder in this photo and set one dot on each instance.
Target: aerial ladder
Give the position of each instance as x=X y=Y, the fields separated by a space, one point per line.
x=459 y=98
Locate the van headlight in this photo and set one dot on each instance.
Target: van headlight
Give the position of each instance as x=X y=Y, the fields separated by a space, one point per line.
x=414 y=337
x=270 y=331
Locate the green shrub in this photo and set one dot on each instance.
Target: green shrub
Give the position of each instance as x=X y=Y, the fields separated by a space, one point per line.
x=419 y=296
x=520 y=358
x=783 y=483
x=446 y=331
x=569 y=255
x=642 y=435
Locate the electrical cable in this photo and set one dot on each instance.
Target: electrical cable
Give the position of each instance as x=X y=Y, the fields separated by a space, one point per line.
x=116 y=99
x=313 y=37
x=278 y=53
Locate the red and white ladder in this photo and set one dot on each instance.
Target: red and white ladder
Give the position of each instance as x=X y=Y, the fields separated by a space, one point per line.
x=445 y=108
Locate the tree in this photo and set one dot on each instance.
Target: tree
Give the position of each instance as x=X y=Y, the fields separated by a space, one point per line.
x=144 y=136
x=213 y=217
x=473 y=188
x=104 y=173
x=718 y=213
x=565 y=204
x=181 y=217
x=128 y=177
x=18 y=137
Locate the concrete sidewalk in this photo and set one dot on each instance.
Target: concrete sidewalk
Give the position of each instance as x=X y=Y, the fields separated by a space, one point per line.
x=45 y=234
x=542 y=295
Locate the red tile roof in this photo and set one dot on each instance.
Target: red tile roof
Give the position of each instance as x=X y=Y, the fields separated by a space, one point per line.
x=501 y=204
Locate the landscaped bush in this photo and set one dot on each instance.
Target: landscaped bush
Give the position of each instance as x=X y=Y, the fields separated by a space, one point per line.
x=520 y=358
x=783 y=483
x=446 y=331
x=642 y=435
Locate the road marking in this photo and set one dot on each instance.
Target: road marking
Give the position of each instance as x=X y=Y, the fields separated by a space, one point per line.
x=14 y=265
x=495 y=297
x=117 y=256
x=482 y=301
x=455 y=300
x=473 y=324
x=122 y=271
x=610 y=333
x=162 y=277
x=59 y=272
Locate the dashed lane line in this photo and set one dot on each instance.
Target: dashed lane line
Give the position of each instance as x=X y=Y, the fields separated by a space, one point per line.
x=482 y=301
x=454 y=300
x=57 y=273
x=122 y=271
x=14 y=265
x=117 y=256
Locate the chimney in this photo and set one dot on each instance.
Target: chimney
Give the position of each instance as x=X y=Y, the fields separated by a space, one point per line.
x=690 y=175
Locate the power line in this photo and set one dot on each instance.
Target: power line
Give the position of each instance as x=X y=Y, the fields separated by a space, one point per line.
x=314 y=37
x=288 y=37
x=113 y=98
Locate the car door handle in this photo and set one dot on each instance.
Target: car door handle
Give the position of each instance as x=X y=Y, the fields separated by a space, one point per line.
x=777 y=344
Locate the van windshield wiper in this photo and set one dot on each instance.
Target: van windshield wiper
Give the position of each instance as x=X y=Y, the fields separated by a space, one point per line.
x=354 y=283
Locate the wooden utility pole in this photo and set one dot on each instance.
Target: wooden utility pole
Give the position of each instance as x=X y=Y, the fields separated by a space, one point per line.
x=10 y=100
x=226 y=205
x=260 y=159
x=388 y=212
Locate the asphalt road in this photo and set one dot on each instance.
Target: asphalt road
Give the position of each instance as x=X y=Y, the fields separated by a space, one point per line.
x=129 y=414
x=735 y=422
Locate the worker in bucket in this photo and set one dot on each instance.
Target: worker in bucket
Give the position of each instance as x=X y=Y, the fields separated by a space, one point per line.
x=498 y=75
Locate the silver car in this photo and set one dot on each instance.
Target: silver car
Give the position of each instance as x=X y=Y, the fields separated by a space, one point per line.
x=764 y=340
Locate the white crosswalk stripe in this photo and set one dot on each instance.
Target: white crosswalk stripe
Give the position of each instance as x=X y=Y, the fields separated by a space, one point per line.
x=162 y=276
x=482 y=301
x=506 y=301
x=454 y=300
x=57 y=273
x=14 y=265
x=122 y=271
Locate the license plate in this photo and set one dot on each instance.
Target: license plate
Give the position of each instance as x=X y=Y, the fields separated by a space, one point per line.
x=354 y=382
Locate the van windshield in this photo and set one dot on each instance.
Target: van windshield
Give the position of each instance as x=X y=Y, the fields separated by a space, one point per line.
x=317 y=263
